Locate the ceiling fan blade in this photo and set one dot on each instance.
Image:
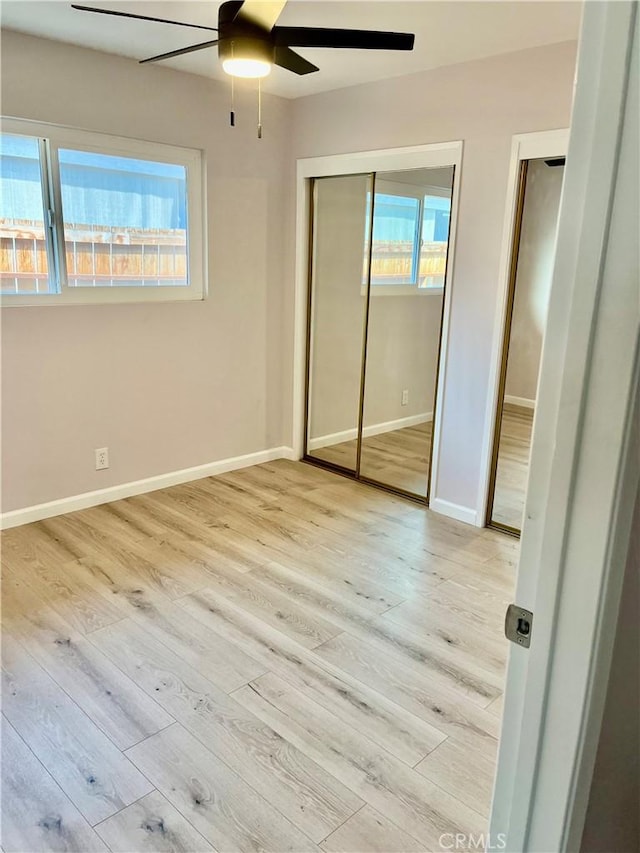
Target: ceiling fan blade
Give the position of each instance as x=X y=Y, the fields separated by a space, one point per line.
x=141 y=17
x=292 y=61
x=262 y=13
x=179 y=52
x=327 y=37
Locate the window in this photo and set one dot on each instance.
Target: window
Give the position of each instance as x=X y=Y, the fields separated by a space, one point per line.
x=410 y=239
x=24 y=247
x=93 y=218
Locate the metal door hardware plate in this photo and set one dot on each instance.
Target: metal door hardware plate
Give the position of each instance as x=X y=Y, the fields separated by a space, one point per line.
x=518 y=623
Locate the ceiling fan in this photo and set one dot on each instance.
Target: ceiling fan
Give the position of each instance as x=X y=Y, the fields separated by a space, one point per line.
x=249 y=42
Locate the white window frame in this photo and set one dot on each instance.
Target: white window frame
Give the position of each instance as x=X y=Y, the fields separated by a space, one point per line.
x=53 y=137
x=408 y=191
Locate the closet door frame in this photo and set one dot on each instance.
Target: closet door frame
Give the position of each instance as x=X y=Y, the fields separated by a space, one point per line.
x=524 y=147
x=435 y=155
x=523 y=173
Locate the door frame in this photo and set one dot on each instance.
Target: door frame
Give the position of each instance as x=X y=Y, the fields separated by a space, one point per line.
x=585 y=461
x=383 y=160
x=524 y=146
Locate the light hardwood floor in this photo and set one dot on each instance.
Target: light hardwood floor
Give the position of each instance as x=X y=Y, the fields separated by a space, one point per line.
x=513 y=465
x=276 y=659
x=398 y=458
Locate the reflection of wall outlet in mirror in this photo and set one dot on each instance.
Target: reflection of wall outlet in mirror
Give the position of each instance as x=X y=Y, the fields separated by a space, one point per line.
x=102 y=458
x=405 y=397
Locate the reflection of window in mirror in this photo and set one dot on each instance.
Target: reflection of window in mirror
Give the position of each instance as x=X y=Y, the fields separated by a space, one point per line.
x=394 y=259
x=410 y=237
x=435 y=237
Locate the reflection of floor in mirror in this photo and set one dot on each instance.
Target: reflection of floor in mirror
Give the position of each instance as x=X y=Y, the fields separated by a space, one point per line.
x=399 y=458
x=513 y=465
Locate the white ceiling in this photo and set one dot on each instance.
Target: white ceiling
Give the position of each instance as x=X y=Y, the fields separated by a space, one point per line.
x=446 y=33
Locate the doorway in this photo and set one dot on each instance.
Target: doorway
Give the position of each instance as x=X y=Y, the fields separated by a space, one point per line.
x=379 y=267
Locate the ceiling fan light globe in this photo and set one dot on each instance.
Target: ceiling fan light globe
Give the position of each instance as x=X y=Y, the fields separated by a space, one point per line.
x=243 y=67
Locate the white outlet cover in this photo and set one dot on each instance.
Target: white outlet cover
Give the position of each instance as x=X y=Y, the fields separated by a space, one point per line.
x=102 y=458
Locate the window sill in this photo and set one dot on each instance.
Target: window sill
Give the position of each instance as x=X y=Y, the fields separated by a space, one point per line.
x=113 y=296
x=402 y=290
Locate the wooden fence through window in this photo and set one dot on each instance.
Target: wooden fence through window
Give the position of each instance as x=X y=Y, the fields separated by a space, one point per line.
x=96 y=256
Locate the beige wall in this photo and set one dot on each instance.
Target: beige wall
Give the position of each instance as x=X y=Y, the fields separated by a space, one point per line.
x=173 y=386
x=164 y=386
x=403 y=342
x=483 y=103
x=533 y=280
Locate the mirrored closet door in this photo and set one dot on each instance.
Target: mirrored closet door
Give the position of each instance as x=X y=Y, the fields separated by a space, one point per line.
x=411 y=216
x=527 y=301
x=339 y=261
x=379 y=248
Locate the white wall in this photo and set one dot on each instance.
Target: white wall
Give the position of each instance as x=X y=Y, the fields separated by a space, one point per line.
x=164 y=386
x=483 y=103
x=533 y=278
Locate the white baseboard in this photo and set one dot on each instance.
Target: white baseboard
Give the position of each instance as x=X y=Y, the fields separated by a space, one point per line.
x=367 y=432
x=16 y=517
x=333 y=438
x=524 y=402
x=401 y=423
x=456 y=511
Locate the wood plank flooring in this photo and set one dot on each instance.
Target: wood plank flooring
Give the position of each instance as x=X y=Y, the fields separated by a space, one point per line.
x=275 y=659
x=398 y=458
x=513 y=466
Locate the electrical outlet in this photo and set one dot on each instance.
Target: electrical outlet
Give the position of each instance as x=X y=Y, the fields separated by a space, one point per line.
x=102 y=458
x=405 y=397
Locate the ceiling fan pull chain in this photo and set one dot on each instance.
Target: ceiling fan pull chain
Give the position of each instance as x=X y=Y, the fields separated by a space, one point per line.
x=259 y=108
x=232 y=114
